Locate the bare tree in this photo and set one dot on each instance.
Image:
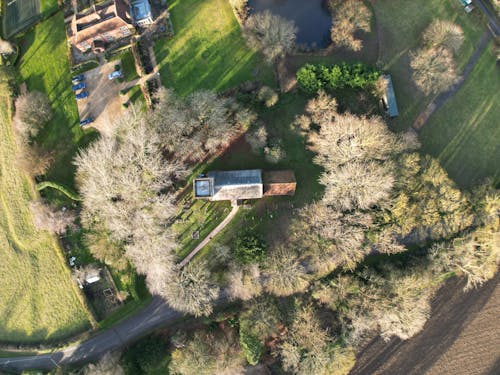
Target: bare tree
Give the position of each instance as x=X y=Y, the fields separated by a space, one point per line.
x=191 y=290
x=33 y=110
x=51 y=219
x=284 y=274
x=244 y=282
x=31 y=158
x=6 y=48
x=126 y=186
x=441 y=33
x=268 y=96
x=349 y=16
x=257 y=139
x=307 y=348
x=216 y=353
x=433 y=69
x=273 y=35
x=109 y=364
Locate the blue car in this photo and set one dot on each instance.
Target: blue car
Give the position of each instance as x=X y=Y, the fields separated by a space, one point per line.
x=87 y=121
x=82 y=95
x=78 y=86
x=78 y=78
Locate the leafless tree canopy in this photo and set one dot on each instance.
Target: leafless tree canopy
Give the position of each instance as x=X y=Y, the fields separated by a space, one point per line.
x=349 y=16
x=109 y=364
x=433 y=69
x=6 y=48
x=33 y=110
x=51 y=219
x=257 y=138
x=126 y=185
x=273 y=35
x=191 y=290
x=216 y=353
x=445 y=34
x=199 y=125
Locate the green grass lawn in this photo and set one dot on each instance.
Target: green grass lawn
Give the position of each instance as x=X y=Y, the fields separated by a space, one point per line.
x=207 y=49
x=402 y=24
x=44 y=66
x=39 y=302
x=127 y=65
x=464 y=134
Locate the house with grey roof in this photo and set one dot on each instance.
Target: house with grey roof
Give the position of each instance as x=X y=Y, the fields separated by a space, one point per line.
x=243 y=184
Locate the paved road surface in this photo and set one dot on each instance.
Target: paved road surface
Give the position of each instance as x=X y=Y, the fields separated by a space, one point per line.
x=156 y=314
x=492 y=17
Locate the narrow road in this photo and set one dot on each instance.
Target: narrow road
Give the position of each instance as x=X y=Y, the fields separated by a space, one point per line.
x=208 y=238
x=156 y=314
x=492 y=17
x=439 y=100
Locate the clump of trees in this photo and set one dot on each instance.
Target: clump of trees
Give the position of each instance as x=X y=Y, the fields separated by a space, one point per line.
x=208 y=353
x=273 y=35
x=199 y=125
x=349 y=17
x=313 y=78
x=433 y=65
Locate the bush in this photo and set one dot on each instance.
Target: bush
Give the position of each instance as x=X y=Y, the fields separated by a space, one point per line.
x=275 y=152
x=267 y=96
x=257 y=139
x=250 y=248
x=145 y=355
x=252 y=348
x=312 y=78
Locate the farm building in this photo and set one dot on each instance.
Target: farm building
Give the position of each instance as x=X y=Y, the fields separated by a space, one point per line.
x=244 y=184
x=106 y=24
x=389 y=98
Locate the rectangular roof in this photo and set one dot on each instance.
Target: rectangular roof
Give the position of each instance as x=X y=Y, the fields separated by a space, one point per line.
x=392 y=106
x=234 y=185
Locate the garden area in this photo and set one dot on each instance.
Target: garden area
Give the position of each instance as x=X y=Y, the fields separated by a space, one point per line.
x=207 y=49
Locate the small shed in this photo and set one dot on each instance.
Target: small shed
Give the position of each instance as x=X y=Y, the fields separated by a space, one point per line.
x=279 y=183
x=389 y=98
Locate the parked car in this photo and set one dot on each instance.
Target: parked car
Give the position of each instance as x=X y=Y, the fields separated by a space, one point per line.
x=115 y=74
x=78 y=86
x=87 y=121
x=82 y=95
x=77 y=79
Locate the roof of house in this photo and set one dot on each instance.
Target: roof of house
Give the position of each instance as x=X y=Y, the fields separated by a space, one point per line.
x=140 y=9
x=105 y=19
x=234 y=185
x=279 y=182
x=392 y=106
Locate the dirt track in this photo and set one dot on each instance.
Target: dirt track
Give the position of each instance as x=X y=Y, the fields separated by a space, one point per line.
x=461 y=337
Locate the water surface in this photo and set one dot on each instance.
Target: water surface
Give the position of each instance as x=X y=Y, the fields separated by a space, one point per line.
x=311 y=17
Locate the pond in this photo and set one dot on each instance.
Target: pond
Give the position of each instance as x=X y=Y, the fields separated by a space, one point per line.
x=311 y=17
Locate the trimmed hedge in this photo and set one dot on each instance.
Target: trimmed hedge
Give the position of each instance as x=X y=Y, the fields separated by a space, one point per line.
x=312 y=78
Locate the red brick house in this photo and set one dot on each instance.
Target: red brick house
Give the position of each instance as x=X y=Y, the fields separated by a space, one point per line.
x=104 y=25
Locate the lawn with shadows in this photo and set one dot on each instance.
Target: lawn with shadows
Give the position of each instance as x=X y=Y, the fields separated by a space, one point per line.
x=44 y=67
x=463 y=134
x=39 y=302
x=207 y=50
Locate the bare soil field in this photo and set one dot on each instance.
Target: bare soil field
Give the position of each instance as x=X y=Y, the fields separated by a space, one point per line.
x=462 y=336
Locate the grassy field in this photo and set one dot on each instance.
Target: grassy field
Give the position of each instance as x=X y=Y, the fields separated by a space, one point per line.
x=39 y=301
x=207 y=49
x=464 y=134
x=44 y=67
x=402 y=23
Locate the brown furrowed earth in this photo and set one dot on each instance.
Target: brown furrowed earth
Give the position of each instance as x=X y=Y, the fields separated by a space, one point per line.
x=462 y=336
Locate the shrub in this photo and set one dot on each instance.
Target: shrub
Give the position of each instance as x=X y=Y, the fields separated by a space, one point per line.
x=257 y=139
x=312 y=78
x=268 y=96
x=274 y=153
x=250 y=249
x=252 y=348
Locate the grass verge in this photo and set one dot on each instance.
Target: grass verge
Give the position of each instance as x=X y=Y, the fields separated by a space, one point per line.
x=463 y=134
